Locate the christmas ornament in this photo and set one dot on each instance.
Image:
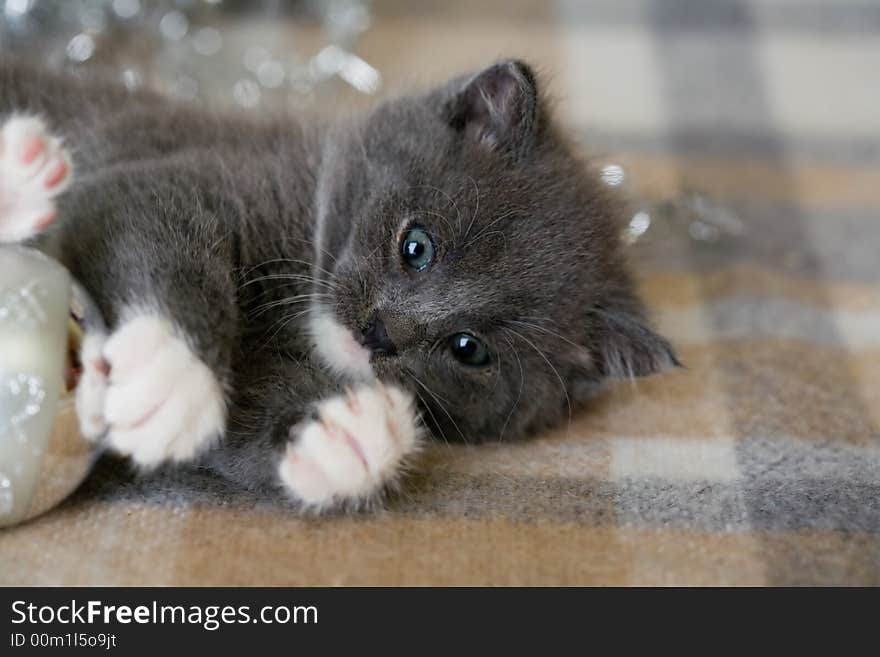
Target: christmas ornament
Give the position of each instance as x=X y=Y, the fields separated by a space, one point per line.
x=43 y=315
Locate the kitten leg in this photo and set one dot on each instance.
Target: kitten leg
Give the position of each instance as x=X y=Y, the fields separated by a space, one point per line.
x=34 y=169
x=357 y=446
x=156 y=400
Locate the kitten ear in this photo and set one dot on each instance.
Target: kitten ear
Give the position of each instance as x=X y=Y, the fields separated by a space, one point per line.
x=497 y=107
x=626 y=347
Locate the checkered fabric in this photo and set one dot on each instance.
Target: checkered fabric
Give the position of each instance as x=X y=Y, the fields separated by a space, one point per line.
x=750 y=133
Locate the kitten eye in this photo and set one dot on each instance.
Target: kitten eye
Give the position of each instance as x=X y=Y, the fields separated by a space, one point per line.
x=417 y=249
x=468 y=350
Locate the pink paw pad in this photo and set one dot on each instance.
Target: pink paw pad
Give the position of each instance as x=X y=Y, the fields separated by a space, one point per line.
x=34 y=169
x=56 y=175
x=46 y=221
x=31 y=150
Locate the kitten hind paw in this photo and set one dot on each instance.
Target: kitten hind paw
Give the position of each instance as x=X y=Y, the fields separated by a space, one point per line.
x=34 y=169
x=356 y=448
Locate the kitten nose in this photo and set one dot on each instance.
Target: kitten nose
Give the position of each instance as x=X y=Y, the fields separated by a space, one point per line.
x=375 y=337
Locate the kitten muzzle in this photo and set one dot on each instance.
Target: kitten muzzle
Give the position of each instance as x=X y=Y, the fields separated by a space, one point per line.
x=374 y=336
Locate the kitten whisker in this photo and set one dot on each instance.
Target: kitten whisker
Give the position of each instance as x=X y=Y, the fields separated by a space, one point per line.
x=437 y=214
x=550 y=365
x=344 y=286
x=476 y=209
x=282 y=286
x=545 y=330
x=431 y=413
x=358 y=266
x=448 y=198
x=507 y=214
x=284 y=321
x=360 y=274
x=484 y=234
x=370 y=254
x=294 y=260
x=439 y=403
x=291 y=277
x=522 y=382
x=497 y=379
x=301 y=298
x=549 y=320
x=323 y=250
x=436 y=395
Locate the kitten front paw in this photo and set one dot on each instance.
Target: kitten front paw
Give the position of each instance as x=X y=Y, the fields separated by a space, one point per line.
x=150 y=393
x=356 y=448
x=34 y=169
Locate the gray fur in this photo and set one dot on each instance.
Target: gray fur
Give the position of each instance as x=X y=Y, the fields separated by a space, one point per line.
x=208 y=217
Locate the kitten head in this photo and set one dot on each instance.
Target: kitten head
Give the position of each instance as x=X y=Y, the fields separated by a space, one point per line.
x=468 y=254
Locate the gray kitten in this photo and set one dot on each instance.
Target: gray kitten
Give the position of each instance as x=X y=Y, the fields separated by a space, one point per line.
x=288 y=303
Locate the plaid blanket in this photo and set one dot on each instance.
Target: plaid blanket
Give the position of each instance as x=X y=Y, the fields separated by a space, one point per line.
x=750 y=133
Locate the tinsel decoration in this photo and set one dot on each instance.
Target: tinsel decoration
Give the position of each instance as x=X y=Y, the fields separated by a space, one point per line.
x=247 y=54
